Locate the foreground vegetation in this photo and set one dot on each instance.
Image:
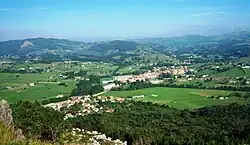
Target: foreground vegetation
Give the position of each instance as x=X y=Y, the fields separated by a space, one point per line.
x=141 y=123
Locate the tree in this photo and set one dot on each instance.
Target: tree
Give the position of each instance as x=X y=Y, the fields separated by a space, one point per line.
x=88 y=87
x=82 y=73
x=94 y=79
x=39 y=122
x=157 y=58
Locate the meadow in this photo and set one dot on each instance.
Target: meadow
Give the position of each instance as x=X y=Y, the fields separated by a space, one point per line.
x=180 y=98
x=91 y=68
x=234 y=72
x=15 y=87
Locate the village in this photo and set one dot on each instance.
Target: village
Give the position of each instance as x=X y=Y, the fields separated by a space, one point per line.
x=87 y=105
x=151 y=75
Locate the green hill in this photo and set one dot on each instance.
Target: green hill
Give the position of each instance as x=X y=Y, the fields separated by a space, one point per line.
x=37 y=44
x=232 y=44
x=234 y=72
x=120 y=51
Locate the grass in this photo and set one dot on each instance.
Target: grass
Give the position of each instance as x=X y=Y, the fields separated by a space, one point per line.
x=91 y=68
x=34 y=65
x=20 y=89
x=244 y=60
x=15 y=87
x=128 y=69
x=207 y=72
x=16 y=78
x=38 y=92
x=179 y=97
x=234 y=72
x=6 y=134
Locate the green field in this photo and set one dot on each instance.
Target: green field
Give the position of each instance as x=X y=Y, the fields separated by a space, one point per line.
x=15 y=87
x=234 y=72
x=91 y=68
x=179 y=97
x=128 y=69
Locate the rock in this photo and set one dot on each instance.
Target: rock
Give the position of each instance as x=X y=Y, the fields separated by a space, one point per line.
x=7 y=119
x=19 y=134
x=26 y=44
x=6 y=114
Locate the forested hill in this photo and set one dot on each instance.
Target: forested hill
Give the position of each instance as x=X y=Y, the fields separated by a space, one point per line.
x=228 y=44
x=225 y=46
x=51 y=49
x=37 y=44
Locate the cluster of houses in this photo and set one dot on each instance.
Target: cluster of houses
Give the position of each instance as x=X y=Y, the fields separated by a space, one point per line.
x=89 y=104
x=152 y=75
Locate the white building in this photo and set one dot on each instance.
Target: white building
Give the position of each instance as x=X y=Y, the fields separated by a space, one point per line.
x=59 y=96
x=110 y=86
x=140 y=96
x=245 y=67
x=123 y=78
x=31 y=84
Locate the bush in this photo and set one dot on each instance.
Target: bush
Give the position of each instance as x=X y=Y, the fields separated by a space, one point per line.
x=6 y=134
x=39 y=122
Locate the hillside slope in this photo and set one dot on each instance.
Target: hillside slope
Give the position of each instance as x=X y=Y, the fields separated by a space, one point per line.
x=237 y=43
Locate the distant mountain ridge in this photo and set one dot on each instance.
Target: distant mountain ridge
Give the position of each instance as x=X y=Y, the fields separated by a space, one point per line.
x=120 y=50
x=228 y=43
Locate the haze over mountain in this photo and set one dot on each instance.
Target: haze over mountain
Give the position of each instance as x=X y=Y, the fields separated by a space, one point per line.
x=92 y=20
x=127 y=51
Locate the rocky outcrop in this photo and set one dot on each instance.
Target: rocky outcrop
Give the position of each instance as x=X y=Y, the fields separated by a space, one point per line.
x=6 y=114
x=7 y=119
x=26 y=44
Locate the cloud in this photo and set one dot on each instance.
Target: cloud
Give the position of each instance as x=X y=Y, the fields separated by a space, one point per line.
x=39 y=8
x=7 y=9
x=23 y=9
x=203 y=14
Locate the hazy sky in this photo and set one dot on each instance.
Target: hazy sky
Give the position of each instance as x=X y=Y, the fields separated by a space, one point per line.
x=107 y=19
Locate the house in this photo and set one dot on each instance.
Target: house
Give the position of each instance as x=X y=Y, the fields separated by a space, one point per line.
x=232 y=81
x=110 y=110
x=59 y=96
x=107 y=81
x=245 y=67
x=96 y=109
x=123 y=78
x=63 y=76
x=156 y=81
x=22 y=69
x=110 y=86
x=120 y=100
x=31 y=84
x=75 y=98
x=79 y=78
x=140 y=96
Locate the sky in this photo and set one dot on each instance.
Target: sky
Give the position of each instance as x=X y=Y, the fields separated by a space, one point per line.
x=91 y=20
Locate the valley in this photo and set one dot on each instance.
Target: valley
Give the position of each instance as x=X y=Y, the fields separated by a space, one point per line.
x=93 y=88
x=131 y=72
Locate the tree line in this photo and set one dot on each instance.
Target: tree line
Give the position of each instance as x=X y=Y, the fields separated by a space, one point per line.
x=146 y=84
